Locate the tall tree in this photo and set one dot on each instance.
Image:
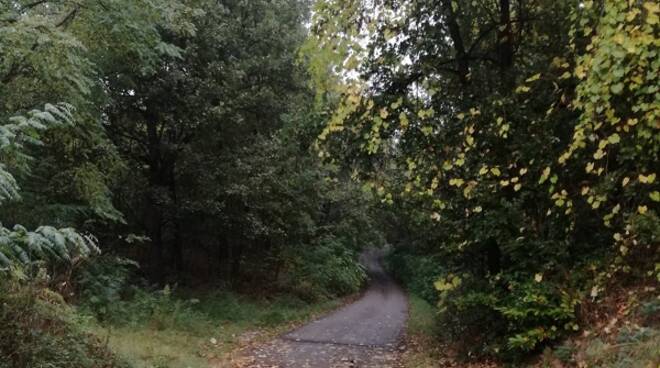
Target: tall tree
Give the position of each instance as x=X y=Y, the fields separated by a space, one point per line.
x=482 y=109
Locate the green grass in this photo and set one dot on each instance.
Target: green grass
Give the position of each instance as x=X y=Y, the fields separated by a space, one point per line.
x=422 y=317
x=158 y=330
x=421 y=335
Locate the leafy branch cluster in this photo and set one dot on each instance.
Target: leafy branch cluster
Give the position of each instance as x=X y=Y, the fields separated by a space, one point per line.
x=515 y=142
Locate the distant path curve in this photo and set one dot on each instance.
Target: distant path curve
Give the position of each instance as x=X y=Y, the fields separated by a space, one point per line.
x=363 y=334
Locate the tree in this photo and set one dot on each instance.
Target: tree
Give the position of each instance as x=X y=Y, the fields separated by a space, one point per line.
x=480 y=110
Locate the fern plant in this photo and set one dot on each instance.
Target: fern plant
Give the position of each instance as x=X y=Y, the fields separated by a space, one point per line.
x=20 y=247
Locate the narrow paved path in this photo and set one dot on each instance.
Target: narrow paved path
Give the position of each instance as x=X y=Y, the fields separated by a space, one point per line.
x=364 y=334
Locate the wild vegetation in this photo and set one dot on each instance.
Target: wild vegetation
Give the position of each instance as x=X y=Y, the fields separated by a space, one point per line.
x=517 y=146
x=175 y=173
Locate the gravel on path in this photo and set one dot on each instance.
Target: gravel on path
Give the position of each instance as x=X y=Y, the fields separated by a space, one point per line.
x=364 y=334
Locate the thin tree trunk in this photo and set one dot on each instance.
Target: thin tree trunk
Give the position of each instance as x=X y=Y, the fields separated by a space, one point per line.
x=505 y=44
x=154 y=220
x=177 y=246
x=462 y=65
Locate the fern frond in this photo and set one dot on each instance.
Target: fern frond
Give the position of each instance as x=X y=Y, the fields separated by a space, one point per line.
x=20 y=247
x=8 y=186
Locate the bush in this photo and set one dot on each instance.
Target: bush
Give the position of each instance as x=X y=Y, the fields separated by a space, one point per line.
x=37 y=329
x=417 y=272
x=323 y=271
x=101 y=283
x=511 y=315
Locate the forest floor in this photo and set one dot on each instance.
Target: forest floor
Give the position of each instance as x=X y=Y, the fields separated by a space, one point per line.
x=367 y=333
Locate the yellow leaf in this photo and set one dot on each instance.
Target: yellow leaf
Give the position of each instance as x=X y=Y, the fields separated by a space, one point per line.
x=655 y=196
x=648 y=179
x=383 y=113
x=484 y=170
x=533 y=78
x=538 y=277
x=590 y=167
x=477 y=209
x=403 y=120
x=544 y=176
x=456 y=182
x=495 y=171
x=642 y=209
x=625 y=181
x=614 y=138
x=522 y=89
x=652 y=7
x=517 y=187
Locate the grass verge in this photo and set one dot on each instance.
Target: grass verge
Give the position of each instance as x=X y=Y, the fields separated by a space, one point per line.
x=420 y=333
x=424 y=348
x=160 y=330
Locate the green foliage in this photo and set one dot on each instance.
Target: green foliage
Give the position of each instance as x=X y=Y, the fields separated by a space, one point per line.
x=182 y=328
x=18 y=246
x=325 y=270
x=315 y=224
x=100 y=284
x=37 y=329
x=628 y=340
x=188 y=123
x=520 y=139
x=417 y=271
x=22 y=130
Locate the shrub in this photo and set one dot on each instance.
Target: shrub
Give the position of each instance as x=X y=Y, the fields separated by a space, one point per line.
x=37 y=329
x=323 y=271
x=417 y=272
x=101 y=283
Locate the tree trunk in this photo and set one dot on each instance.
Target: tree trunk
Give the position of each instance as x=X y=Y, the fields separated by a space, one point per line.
x=236 y=262
x=154 y=231
x=505 y=44
x=154 y=220
x=462 y=65
x=177 y=246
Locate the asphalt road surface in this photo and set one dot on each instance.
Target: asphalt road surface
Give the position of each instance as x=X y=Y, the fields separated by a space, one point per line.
x=364 y=334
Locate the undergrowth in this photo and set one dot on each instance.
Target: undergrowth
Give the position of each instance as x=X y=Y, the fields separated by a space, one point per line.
x=626 y=337
x=39 y=330
x=170 y=328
